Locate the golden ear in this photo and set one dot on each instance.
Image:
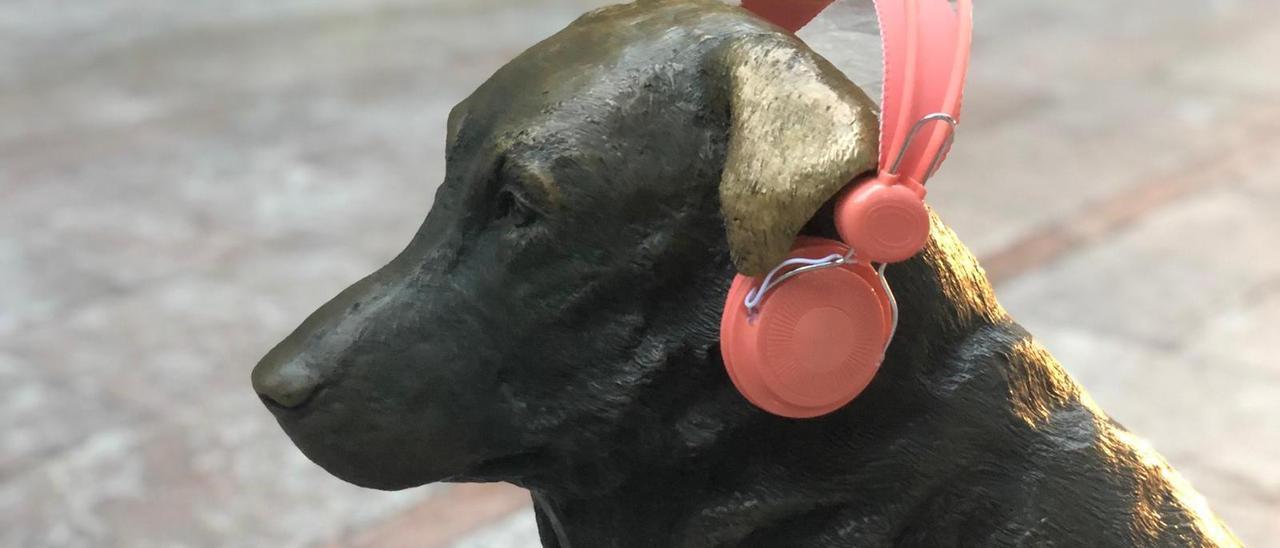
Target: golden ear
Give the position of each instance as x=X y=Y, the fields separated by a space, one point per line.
x=799 y=131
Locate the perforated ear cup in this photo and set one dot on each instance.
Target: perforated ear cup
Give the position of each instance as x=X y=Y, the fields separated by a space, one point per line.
x=885 y=223
x=816 y=342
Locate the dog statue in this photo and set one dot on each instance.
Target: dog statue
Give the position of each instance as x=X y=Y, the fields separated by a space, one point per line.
x=555 y=324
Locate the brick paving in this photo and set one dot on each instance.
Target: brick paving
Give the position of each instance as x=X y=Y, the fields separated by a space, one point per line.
x=181 y=183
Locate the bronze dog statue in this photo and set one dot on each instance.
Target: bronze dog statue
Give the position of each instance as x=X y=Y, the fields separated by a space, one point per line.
x=554 y=324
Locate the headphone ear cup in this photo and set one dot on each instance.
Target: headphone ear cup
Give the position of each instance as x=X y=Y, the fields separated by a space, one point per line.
x=815 y=343
x=884 y=222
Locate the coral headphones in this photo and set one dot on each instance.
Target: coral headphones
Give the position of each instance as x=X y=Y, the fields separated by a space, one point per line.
x=808 y=338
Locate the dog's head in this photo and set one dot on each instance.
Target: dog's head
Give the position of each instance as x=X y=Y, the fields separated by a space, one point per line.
x=600 y=192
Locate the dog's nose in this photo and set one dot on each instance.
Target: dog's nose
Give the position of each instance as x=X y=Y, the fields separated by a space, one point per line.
x=287 y=383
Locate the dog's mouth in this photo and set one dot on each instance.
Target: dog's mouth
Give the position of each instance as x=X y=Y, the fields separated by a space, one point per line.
x=507 y=468
x=362 y=443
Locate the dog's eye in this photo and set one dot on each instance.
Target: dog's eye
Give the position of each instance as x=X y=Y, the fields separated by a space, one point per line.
x=512 y=209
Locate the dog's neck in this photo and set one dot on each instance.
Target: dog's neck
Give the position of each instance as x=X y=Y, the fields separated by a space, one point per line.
x=758 y=481
x=726 y=473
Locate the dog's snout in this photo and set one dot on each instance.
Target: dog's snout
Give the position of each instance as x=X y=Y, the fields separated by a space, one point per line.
x=287 y=383
x=293 y=372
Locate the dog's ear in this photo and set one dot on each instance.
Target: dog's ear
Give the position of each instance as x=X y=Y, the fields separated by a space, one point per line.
x=799 y=131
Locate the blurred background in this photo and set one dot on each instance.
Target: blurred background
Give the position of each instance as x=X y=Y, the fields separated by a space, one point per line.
x=181 y=183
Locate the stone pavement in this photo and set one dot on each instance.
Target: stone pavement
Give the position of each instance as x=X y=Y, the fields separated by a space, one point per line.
x=182 y=182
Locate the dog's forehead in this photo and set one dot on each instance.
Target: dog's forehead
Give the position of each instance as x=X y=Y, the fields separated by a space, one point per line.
x=595 y=63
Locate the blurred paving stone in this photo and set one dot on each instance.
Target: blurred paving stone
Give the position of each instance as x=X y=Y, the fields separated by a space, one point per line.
x=40 y=416
x=1069 y=103
x=176 y=342
x=58 y=508
x=514 y=531
x=1236 y=73
x=1161 y=282
x=332 y=131
x=1234 y=332
x=191 y=481
x=458 y=511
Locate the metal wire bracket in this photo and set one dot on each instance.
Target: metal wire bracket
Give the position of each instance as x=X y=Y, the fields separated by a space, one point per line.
x=911 y=136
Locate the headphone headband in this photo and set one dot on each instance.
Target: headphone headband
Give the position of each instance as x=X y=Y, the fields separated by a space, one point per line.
x=926 y=58
x=928 y=43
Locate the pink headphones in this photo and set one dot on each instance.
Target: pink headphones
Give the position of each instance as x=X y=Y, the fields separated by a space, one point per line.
x=806 y=339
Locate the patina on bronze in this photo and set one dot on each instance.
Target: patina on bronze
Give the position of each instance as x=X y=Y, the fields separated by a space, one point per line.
x=554 y=324
x=799 y=132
